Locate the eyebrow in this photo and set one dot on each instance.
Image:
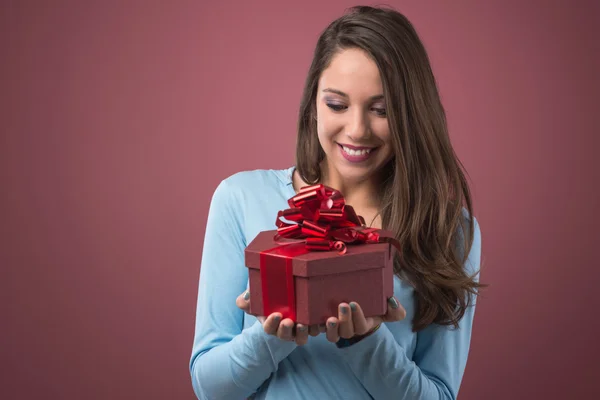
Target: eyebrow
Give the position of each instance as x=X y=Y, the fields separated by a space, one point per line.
x=339 y=92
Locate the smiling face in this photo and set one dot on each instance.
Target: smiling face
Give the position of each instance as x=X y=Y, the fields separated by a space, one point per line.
x=352 y=124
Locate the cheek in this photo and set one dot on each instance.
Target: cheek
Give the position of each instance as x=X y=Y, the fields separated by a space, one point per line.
x=382 y=131
x=327 y=127
x=385 y=136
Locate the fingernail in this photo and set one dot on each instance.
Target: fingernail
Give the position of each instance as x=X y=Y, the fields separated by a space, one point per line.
x=353 y=306
x=393 y=302
x=344 y=310
x=247 y=295
x=302 y=328
x=332 y=324
x=277 y=318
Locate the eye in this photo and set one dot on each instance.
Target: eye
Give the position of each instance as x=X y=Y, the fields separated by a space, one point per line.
x=336 y=107
x=381 y=112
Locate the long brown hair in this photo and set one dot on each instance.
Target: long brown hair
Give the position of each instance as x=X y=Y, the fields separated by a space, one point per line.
x=425 y=192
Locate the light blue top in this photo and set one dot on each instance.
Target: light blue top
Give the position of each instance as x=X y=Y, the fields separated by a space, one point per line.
x=232 y=358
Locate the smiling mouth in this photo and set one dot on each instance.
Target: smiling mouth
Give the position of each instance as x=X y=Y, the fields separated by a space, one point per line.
x=356 y=155
x=356 y=151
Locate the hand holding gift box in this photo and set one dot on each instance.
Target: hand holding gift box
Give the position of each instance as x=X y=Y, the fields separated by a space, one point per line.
x=319 y=260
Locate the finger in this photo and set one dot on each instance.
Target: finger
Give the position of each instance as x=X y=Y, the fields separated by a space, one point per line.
x=333 y=334
x=358 y=318
x=346 y=328
x=395 y=311
x=271 y=324
x=313 y=330
x=301 y=334
x=285 y=330
x=243 y=301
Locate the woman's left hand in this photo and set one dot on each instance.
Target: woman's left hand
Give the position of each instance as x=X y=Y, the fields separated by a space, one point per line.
x=351 y=321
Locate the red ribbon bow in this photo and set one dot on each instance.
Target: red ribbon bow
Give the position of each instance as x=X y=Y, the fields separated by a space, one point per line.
x=323 y=221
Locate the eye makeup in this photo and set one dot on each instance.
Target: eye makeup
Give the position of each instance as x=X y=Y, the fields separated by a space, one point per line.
x=337 y=106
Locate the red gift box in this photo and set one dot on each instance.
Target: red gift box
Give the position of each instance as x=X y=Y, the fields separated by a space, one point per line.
x=324 y=256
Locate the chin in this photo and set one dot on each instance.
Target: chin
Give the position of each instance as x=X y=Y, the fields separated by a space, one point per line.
x=356 y=173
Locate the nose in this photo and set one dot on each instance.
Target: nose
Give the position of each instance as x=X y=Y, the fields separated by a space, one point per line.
x=358 y=128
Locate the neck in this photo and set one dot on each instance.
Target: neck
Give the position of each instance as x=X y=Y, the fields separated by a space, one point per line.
x=361 y=194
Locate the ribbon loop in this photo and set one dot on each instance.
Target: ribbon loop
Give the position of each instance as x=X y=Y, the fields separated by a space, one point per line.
x=319 y=216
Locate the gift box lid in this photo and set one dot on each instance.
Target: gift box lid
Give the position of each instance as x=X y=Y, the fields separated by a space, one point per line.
x=317 y=263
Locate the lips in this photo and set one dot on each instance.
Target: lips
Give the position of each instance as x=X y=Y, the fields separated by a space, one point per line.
x=349 y=146
x=356 y=154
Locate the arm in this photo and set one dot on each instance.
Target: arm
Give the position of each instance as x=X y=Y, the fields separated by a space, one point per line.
x=226 y=362
x=439 y=360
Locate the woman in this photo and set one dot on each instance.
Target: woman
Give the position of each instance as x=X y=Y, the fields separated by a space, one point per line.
x=372 y=126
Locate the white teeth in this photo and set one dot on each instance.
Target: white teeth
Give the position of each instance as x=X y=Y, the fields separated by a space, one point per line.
x=356 y=152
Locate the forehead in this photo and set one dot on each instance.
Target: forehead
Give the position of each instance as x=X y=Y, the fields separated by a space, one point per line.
x=353 y=72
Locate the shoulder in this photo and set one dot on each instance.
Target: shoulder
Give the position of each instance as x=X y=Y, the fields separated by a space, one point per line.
x=469 y=218
x=248 y=201
x=253 y=181
x=248 y=187
x=258 y=178
x=473 y=261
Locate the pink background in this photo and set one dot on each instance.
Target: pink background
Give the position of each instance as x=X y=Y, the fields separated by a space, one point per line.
x=118 y=121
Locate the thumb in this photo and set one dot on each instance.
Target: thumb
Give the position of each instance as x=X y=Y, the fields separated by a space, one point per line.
x=243 y=301
x=395 y=311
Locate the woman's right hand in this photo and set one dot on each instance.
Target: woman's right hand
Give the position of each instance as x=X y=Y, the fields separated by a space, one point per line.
x=284 y=330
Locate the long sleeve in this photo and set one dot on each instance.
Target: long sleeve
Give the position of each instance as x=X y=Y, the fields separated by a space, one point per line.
x=228 y=362
x=437 y=366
